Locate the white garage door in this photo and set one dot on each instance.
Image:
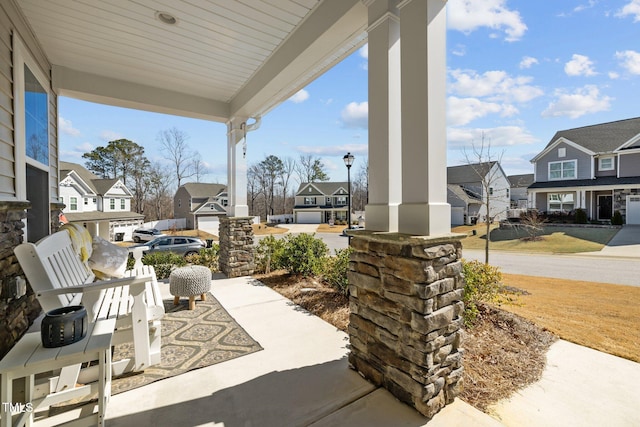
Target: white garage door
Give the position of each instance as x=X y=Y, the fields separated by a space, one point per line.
x=633 y=210
x=210 y=224
x=308 y=218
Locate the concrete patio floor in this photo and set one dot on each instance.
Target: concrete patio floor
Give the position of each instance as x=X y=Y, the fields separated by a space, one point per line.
x=301 y=378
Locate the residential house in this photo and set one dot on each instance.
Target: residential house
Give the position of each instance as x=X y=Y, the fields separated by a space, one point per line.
x=467 y=187
x=595 y=168
x=519 y=185
x=202 y=204
x=101 y=205
x=321 y=202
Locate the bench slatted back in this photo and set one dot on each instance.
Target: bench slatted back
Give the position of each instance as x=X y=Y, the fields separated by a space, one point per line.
x=52 y=263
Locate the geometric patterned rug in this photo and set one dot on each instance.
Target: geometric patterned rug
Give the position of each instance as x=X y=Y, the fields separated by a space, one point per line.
x=191 y=339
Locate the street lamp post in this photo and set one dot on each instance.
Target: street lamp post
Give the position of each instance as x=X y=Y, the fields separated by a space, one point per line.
x=348 y=161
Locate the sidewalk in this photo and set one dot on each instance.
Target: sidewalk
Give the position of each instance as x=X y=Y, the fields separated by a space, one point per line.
x=625 y=244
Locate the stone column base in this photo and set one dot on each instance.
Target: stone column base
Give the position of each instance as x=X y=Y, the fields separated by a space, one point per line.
x=236 y=246
x=406 y=314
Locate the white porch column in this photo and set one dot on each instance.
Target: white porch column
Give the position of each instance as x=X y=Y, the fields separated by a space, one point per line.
x=385 y=185
x=424 y=209
x=237 y=168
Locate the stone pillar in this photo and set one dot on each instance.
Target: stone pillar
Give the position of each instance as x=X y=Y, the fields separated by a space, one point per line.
x=424 y=210
x=406 y=314
x=385 y=116
x=236 y=246
x=18 y=304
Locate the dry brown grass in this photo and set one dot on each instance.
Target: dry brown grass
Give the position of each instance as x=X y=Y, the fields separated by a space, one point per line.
x=263 y=229
x=192 y=233
x=601 y=316
x=326 y=228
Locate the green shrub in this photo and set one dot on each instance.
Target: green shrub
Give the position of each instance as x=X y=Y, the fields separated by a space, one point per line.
x=617 y=218
x=268 y=255
x=581 y=216
x=304 y=254
x=483 y=283
x=207 y=257
x=164 y=262
x=335 y=270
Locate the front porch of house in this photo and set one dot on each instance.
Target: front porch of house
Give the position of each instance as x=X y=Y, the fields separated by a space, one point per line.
x=301 y=377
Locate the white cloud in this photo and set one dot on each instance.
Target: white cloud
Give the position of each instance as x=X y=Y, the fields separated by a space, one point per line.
x=613 y=75
x=630 y=9
x=333 y=150
x=469 y=15
x=84 y=147
x=501 y=136
x=495 y=85
x=573 y=105
x=459 y=50
x=582 y=7
x=527 y=62
x=300 y=96
x=461 y=111
x=364 y=51
x=65 y=126
x=580 y=65
x=109 y=135
x=356 y=115
x=630 y=60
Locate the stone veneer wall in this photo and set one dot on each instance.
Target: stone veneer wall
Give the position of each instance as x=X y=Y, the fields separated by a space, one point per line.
x=406 y=314
x=236 y=246
x=18 y=304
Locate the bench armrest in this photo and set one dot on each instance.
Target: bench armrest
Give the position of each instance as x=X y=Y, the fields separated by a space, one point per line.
x=134 y=282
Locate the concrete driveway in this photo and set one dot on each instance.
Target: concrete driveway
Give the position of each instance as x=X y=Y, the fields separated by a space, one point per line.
x=626 y=244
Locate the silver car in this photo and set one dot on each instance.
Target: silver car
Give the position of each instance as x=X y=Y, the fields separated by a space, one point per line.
x=181 y=245
x=145 y=234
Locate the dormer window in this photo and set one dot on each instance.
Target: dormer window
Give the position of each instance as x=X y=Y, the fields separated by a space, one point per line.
x=605 y=163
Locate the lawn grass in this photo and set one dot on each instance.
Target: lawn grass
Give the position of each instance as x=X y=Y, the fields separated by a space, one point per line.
x=554 y=239
x=601 y=316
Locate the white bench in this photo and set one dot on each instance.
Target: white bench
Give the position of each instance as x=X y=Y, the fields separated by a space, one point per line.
x=59 y=278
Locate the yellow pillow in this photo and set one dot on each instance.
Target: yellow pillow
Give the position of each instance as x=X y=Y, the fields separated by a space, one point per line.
x=81 y=240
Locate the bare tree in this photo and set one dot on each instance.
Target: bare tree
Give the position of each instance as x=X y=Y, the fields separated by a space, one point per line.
x=254 y=188
x=488 y=169
x=159 y=195
x=360 y=184
x=310 y=169
x=199 y=167
x=176 y=150
x=288 y=168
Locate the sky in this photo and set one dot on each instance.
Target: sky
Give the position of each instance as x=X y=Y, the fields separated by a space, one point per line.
x=518 y=71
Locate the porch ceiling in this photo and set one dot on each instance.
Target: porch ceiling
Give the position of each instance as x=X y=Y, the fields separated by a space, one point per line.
x=221 y=59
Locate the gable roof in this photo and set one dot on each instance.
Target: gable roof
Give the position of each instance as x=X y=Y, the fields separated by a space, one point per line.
x=67 y=167
x=525 y=180
x=601 y=138
x=203 y=189
x=325 y=187
x=468 y=173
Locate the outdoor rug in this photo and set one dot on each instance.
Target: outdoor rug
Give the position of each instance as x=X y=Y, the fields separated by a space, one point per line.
x=191 y=339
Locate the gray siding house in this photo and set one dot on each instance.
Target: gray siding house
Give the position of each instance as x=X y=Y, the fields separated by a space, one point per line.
x=467 y=187
x=519 y=186
x=595 y=168
x=320 y=202
x=200 y=203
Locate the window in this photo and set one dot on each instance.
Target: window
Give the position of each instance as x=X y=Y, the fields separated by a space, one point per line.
x=342 y=201
x=562 y=170
x=123 y=204
x=225 y=202
x=179 y=203
x=112 y=204
x=507 y=192
x=491 y=191
x=309 y=200
x=86 y=201
x=605 y=163
x=31 y=132
x=73 y=204
x=562 y=152
x=561 y=202
x=94 y=200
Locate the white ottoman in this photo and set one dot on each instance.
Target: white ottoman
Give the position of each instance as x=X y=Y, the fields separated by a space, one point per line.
x=190 y=282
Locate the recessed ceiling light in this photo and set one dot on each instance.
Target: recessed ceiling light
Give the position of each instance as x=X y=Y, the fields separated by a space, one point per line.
x=166 y=17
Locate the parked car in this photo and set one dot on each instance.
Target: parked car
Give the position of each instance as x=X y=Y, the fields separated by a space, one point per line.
x=145 y=234
x=181 y=245
x=353 y=227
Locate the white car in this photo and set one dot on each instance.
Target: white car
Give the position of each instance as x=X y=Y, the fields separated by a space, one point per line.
x=146 y=234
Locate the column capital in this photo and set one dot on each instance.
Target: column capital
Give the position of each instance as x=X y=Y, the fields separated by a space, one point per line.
x=388 y=16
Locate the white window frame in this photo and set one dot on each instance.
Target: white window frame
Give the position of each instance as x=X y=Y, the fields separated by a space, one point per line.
x=562 y=169
x=73 y=201
x=123 y=204
x=562 y=152
x=608 y=168
x=561 y=200
x=21 y=58
x=112 y=204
